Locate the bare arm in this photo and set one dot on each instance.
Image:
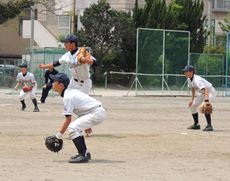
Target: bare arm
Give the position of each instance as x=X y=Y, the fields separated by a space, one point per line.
x=206 y=93
x=87 y=60
x=65 y=124
x=43 y=66
x=17 y=85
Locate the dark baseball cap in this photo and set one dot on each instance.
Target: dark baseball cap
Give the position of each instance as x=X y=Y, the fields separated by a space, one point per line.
x=23 y=65
x=188 y=68
x=70 y=38
x=60 y=77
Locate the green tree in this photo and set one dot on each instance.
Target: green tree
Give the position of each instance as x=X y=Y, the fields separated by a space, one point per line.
x=12 y=8
x=110 y=34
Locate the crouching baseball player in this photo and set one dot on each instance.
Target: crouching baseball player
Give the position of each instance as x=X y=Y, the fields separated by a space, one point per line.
x=204 y=92
x=90 y=113
x=29 y=86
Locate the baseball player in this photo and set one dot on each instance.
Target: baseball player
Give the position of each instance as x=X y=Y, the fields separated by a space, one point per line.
x=48 y=83
x=80 y=72
x=26 y=78
x=204 y=91
x=90 y=113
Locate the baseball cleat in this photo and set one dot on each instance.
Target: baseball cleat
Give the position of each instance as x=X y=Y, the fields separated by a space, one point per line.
x=88 y=156
x=208 y=128
x=194 y=126
x=36 y=109
x=78 y=159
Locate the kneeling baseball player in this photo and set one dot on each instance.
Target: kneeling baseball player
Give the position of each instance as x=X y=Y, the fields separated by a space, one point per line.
x=204 y=93
x=29 y=86
x=90 y=113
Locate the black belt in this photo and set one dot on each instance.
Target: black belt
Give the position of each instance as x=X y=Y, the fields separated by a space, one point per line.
x=82 y=81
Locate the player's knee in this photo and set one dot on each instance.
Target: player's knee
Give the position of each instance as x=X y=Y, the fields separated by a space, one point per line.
x=73 y=133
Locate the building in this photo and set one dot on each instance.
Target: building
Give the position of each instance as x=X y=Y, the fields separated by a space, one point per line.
x=50 y=25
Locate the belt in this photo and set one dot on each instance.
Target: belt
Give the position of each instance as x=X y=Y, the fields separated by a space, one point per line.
x=82 y=81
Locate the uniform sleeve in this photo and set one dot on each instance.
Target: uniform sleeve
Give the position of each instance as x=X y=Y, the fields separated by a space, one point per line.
x=63 y=59
x=201 y=84
x=68 y=107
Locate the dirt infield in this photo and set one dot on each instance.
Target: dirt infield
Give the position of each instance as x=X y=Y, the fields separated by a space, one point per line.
x=142 y=139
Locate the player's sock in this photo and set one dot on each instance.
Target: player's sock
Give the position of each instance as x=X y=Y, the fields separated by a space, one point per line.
x=79 y=143
x=35 y=103
x=23 y=104
x=208 y=119
x=195 y=118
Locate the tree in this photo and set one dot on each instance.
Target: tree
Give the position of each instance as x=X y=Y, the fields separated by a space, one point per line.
x=110 y=34
x=12 y=8
x=178 y=15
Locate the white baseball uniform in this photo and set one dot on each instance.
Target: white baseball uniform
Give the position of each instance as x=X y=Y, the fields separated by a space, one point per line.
x=80 y=72
x=200 y=83
x=28 y=79
x=90 y=111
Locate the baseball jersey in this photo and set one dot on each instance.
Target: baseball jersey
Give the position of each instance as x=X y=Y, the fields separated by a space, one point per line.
x=199 y=83
x=78 y=71
x=27 y=79
x=79 y=103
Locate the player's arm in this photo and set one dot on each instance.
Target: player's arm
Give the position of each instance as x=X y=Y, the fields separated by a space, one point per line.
x=64 y=127
x=206 y=93
x=193 y=96
x=87 y=60
x=193 y=93
x=17 y=85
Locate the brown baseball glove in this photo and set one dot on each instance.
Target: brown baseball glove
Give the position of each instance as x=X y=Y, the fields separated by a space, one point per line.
x=206 y=108
x=82 y=53
x=27 y=88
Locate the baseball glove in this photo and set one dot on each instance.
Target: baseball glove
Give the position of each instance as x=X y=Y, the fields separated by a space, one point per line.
x=53 y=143
x=206 y=108
x=82 y=53
x=27 y=88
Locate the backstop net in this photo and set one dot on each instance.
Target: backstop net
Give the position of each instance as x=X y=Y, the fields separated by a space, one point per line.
x=160 y=57
x=40 y=55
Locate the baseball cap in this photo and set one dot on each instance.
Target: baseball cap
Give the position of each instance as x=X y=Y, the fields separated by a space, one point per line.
x=60 y=77
x=23 y=65
x=188 y=68
x=70 y=38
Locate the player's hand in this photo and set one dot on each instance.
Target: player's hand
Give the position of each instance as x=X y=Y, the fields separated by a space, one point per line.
x=42 y=66
x=190 y=103
x=44 y=86
x=16 y=88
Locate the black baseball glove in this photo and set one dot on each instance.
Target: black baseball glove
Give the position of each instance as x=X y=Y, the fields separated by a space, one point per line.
x=53 y=143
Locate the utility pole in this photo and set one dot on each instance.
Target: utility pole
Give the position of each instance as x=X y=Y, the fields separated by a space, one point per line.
x=73 y=18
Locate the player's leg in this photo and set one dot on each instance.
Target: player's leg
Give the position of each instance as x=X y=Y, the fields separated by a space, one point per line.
x=209 y=127
x=33 y=98
x=75 y=133
x=45 y=92
x=196 y=103
x=86 y=88
x=22 y=96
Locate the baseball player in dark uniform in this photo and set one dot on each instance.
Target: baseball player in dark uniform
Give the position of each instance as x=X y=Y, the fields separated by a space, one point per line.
x=202 y=90
x=48 y=83
x=25 y=78
x=90 y=113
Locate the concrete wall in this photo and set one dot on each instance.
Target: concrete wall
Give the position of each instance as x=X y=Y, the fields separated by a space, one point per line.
x=10 y=41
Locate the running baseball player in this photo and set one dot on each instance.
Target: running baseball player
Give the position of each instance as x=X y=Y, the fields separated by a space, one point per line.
x=204 y=92
x=29 y=86
x=90 y=113
x=80 y=69
x=48 y=83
